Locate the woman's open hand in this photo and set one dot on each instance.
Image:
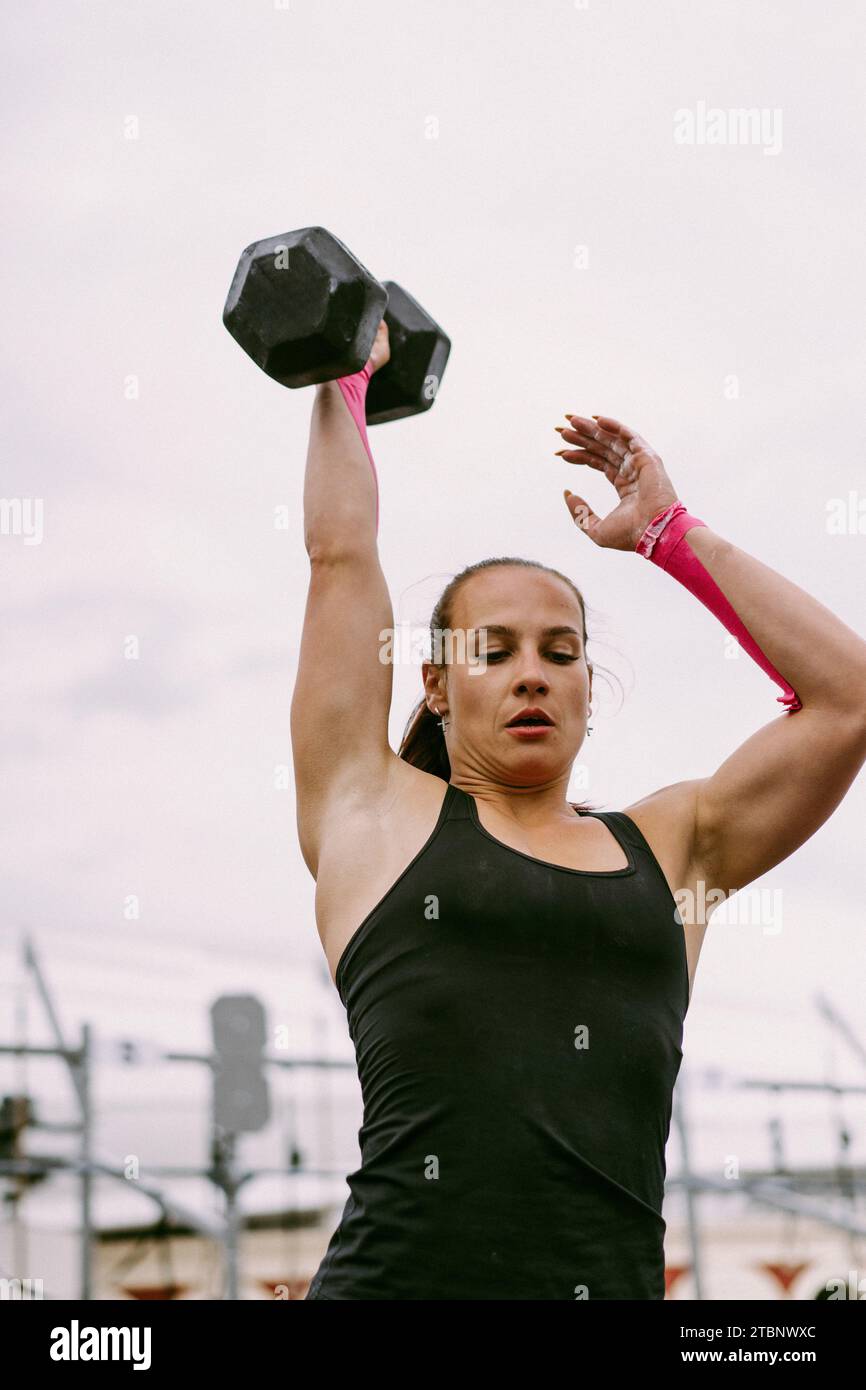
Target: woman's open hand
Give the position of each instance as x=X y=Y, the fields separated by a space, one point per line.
x=635 y=469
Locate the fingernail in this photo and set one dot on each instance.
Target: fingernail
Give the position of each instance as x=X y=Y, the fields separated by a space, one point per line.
x=559 y=452
x=560 y=429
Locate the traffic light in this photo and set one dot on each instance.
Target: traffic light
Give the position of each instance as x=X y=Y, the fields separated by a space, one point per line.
x=241 y=1097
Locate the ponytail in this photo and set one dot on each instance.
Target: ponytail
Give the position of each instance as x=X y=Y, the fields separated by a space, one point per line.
x=423 y=743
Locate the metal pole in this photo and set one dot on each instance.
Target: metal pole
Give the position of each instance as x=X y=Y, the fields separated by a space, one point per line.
x=86 y=1168
x=231 y=1244
x=79 y=1070
x=47 y=1004
x=224 y=1174
x=771 y=1194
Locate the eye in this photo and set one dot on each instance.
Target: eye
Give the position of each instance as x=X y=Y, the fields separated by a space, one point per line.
x=557 y=656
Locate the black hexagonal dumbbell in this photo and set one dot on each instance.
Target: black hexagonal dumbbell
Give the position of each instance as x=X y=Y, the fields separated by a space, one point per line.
x=306 y=310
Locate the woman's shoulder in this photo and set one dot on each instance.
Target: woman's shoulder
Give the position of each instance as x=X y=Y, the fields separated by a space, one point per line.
x=676 y=801
x=666 y=819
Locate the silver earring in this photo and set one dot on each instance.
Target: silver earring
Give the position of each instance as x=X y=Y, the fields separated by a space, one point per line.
x=441 y=722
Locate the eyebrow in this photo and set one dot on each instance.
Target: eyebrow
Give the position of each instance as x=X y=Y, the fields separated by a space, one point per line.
x=510 y=631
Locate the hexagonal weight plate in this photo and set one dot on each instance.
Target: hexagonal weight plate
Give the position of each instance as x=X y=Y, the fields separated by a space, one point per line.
x=419 y=351
x=303 y=307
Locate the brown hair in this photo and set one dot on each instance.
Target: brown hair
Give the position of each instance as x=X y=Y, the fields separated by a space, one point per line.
x=423 y=742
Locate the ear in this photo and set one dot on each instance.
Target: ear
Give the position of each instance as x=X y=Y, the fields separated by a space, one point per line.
x=434 y=685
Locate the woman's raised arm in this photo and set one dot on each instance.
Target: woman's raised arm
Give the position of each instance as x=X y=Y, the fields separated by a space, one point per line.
x=342 y=695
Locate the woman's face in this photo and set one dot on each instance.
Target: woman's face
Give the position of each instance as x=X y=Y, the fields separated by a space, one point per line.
x=533 y=664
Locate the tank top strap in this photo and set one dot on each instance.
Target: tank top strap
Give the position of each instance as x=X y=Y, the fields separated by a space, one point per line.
x=627 y=831
x=622 y=828
x=623 y=833
x=456 y=804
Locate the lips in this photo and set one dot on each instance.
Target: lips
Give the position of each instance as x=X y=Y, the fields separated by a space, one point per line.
x=530 y=718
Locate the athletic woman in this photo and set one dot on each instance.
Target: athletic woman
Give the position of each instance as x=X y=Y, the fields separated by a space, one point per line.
x=515 y=969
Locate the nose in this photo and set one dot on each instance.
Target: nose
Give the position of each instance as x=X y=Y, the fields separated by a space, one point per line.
x=532 y=676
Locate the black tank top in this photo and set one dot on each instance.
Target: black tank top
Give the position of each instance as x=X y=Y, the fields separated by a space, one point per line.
x=517 y=1029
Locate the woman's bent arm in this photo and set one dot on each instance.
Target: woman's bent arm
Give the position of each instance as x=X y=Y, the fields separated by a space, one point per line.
x=824 y=660
x=784 y=782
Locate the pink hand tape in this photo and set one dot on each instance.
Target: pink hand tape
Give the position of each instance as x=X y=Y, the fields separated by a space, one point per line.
x=354 y=389
x=661 y=543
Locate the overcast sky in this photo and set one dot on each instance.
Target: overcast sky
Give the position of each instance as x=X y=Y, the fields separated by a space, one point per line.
x=517 y=166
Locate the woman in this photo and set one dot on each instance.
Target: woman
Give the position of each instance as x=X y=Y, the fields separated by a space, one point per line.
x=514 y=968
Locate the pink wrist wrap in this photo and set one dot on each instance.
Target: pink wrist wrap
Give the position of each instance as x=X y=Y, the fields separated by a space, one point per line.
x=662 y=543
x=354 y=389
